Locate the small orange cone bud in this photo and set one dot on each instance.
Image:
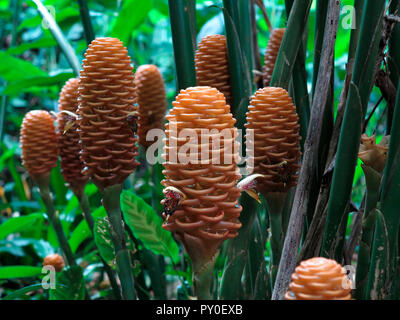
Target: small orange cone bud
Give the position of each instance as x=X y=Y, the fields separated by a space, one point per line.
x=271 y=54
x=374 y=155
x=54 y=260
x=319 y=279
x=39 y=143
x=68 y=137
x=151 y=99
x=201 y=197
x=212 y=68
x=274 y=150
x=106 y=99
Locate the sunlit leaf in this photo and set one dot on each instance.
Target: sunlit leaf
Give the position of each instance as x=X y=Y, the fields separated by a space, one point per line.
x=146 y=226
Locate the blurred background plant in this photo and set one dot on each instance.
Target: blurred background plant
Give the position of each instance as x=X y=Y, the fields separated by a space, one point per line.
x=33 y=69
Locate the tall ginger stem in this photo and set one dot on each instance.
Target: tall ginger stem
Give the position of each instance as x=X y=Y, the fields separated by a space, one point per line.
x=111 y=202
x=84 y=203
x=43 y=184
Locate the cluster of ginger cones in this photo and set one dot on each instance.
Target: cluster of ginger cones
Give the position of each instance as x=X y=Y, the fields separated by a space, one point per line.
x=104 y=112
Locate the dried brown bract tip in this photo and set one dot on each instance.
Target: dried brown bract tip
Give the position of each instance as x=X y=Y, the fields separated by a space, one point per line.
x=151 y=99
x=272 y=140
x=54 y=260
x=106 y=98
x=319 y=279
x=212 y=68
x=374 y=155
x=39 y=143
x=201 y=193
x=68 y=137
x=271 y=54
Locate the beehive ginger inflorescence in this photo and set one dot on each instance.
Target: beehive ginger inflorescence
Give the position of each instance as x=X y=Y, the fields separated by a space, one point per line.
x=274 y=44
x=273 y=140
x=209 y=211
x=68 y=137
x=38 y=140
x=106 y=99
x=319 y=279
x=151 y=100
x=212 y=68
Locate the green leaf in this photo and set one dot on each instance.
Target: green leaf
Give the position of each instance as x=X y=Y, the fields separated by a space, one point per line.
x=104 y=243
x=21 y=293
x=146 y=226
x=37 y=81
x=72 y=279
x=14 y=69
x=19 y=224
x=82 y=231
x=132 y=14
x=103 y=240
x=12 y=272
x=40 y=43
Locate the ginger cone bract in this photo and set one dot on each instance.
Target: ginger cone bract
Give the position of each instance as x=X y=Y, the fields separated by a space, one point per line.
x=39 y=143
x=271 y=54
x=274 y=151
x=212 y=68
x=106 y=98
x=151 y=99
x=319 y=279
x=68 y=137
x=209 y=211
x=54 y=260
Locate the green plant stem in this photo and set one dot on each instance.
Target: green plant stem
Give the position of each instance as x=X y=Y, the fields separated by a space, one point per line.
x=181 y=14
x=84 y=203
x=357 y=100
x=394 y=46
x=299 y=81
x=202 y=280
x=373 y=181
x=384 y=285
x=111 y=203
x=155 y=269
x=291 y=42
x=237 y=252
x=60 y=38
x=303 y=190
x=87 y=23
x=260 y=284
x=43 y=184
x=240 y=63
x=275 y=204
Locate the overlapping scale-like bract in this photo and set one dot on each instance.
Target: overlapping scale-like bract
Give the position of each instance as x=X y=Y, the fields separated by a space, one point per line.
x=271 y=54
x=273 y=148
x=212 y=68
x=68 y=137
x=106 y=98
x=319 y=279
x=38 y=143
x=54 y=260
x=210 y=210
x=151 y=99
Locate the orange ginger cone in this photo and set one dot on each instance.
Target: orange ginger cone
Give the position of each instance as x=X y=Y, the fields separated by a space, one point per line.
x=39 y=144
x=68 y=137
x=212 y=68
x=319 y=279
x=151 y=99
x=54 y=260
x=271 y=54
x=201 y=197
x=106 y=98
x=274 y=150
